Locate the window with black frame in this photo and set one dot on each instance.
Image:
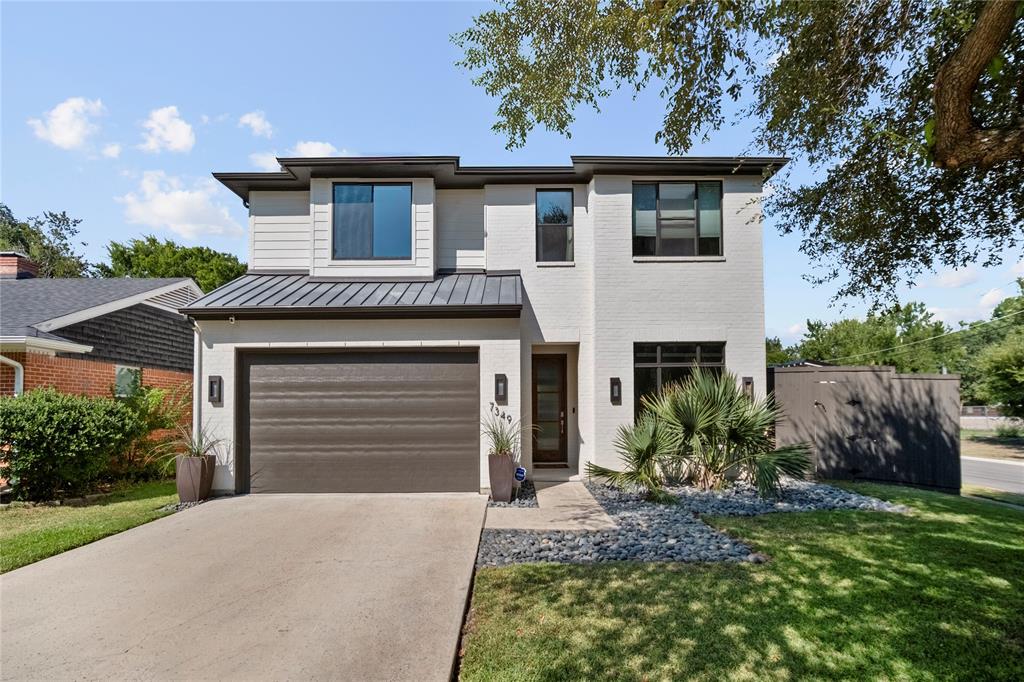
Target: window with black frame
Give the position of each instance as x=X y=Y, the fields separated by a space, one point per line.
x=372 y=221
x=656 y=365
x=677 y=218
x=554 y=225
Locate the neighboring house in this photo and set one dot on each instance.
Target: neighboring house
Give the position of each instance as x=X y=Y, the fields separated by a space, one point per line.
x=394 y=303
x=91 y=336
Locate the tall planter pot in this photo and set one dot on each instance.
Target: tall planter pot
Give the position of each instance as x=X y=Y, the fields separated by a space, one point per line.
x=502 y=470
x=194 y=477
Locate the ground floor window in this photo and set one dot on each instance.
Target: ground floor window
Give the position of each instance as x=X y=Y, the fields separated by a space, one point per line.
x=658 y=364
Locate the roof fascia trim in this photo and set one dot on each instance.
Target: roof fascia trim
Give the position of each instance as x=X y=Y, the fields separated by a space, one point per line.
x=113 y=306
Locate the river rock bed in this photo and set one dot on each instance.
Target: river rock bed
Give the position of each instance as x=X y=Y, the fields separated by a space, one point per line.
x=659 y=532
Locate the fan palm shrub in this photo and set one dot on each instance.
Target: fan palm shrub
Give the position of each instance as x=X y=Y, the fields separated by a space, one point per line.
x=707 y=430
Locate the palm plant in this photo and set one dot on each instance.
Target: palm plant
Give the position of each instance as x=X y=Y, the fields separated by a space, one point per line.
x=644 y=449
x=720 y=432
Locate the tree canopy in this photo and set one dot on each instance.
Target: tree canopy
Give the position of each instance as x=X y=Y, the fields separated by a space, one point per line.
x=150 y=257
x=48 y=241
x=910 y=113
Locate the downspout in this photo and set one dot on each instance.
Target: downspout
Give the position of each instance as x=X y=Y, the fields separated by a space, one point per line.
x=19 y=374
x=197 y=378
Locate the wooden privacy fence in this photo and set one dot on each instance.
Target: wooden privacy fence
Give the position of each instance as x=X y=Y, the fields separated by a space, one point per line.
x=871 y=423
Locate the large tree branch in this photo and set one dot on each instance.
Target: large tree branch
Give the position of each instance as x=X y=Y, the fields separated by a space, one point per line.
x=958 y=140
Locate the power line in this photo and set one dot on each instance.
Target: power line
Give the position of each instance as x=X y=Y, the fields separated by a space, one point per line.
x=975 y=327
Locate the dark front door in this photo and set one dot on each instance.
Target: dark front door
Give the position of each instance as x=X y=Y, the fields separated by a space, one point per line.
x=549 y=418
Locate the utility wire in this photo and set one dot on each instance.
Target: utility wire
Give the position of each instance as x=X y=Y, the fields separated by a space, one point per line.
x=975 y=326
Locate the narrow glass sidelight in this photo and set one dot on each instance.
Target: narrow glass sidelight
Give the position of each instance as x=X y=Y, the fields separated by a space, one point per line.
x=554 y=225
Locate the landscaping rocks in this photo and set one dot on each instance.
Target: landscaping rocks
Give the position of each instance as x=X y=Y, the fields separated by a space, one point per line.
x=657 y=532
x=180 y=506
x=525 y=498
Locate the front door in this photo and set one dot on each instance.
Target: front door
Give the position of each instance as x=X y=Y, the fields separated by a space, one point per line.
x=549 y=419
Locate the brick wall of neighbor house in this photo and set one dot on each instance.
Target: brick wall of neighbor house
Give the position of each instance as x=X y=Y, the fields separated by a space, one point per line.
x=139 y=335
x=79 y=376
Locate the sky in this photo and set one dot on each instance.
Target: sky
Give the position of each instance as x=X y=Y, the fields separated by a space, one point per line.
x=118 y=112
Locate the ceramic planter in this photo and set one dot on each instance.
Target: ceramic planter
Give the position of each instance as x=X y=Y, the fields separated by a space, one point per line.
x=502 y=470
x=194 y=477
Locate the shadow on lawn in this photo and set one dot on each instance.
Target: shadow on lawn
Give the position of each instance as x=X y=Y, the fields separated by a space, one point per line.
x=939 y=593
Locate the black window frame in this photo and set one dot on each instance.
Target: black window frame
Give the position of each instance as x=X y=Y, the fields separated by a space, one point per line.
x=696 y=219
x=659 y=364
x=412 y=224
x=569 y=227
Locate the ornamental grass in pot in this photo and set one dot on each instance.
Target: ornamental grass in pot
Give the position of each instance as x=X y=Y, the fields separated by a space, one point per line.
x=195 y=460
x=503 y=435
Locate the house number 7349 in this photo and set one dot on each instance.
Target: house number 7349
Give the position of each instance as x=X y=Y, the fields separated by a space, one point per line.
x=500 y=413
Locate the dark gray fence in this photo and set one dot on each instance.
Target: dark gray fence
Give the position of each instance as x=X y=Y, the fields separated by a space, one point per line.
x=871 y=423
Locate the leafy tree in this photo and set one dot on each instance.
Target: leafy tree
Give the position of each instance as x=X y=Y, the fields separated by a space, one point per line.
x=1001 y=366
x=864 y=342
x=150 y=257
x=775 y=353
x=48 y=241
x=908 y=112
x=1007 y=317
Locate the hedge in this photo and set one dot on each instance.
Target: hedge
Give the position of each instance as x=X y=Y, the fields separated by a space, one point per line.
x=57 y=444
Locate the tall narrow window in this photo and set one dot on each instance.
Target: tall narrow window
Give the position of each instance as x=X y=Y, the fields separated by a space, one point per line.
x=554 y=225
x=372 y=222
x=677 y=219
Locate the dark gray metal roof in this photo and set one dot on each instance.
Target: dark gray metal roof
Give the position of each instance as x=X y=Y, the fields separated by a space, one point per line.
x=28 y=302
x=259 y=295
x=448 y=173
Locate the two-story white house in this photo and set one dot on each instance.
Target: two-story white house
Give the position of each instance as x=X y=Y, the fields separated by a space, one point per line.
x=394 y=303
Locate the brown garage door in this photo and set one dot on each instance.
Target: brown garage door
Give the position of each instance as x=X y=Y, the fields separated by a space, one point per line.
x=380 y=421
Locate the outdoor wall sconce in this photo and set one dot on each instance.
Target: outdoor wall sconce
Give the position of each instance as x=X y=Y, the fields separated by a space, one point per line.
x=214 y=389
x=501 y=389
x=616 y=391
x=748 y=386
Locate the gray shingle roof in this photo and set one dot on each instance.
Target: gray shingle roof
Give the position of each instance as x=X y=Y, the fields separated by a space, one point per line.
x=28 y=302
x=298 y=295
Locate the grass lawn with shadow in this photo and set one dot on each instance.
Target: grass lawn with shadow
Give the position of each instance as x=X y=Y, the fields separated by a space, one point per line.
x=934 y=594
x=28 y=534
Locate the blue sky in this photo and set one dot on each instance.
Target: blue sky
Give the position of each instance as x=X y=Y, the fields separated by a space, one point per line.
x=118 y=112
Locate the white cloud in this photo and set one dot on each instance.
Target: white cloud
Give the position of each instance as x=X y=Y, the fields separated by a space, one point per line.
x=112 y=150
x=265 y=161
x=797 y=329
x=954 y=279
x=257 y=122
x=992 y=298
x=310 y=148
x=1018 y=269
x=69 y=124
x=166 y=202
x=165 y=129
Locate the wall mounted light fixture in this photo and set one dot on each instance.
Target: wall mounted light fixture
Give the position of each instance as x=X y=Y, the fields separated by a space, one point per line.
x=215 y=389
x=501 y=389
x=748 y=386
x=616 y=391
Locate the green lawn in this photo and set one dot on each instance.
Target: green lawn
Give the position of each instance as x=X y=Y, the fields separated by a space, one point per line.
x=992 y=494
x=937 y=594
x=28 y=534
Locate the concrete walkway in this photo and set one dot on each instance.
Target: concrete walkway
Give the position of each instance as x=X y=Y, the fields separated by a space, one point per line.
x=329 y=587
x=998 y=474
x=563 y=506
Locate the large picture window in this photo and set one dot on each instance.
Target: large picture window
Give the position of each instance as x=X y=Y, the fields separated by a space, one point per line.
x=554 y=225
x=372 y=222
x=677 y=219
x=658 y=364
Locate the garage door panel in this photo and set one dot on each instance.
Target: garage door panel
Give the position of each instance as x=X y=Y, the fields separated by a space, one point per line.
x=362 y=422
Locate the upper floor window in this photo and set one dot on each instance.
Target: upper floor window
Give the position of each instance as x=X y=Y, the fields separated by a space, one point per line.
x=372 y=222
x=677 y=219
x=554 y=225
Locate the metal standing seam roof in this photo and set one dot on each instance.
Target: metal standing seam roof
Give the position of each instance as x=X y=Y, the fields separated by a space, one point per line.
x=299 y=295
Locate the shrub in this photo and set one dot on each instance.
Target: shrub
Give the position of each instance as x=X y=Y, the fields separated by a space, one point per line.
x=53 y=443
x=705 y=430
x=1009 y=430
x=158 y=412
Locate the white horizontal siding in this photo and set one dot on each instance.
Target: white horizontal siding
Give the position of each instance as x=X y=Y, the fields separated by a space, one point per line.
x=279 y=228
x=460 y=229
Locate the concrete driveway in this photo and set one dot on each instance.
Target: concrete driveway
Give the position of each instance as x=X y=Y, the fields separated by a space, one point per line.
x=357 y=587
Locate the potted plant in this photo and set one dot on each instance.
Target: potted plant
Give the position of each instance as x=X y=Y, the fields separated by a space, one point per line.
x=195 y=460
x=502 y=455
